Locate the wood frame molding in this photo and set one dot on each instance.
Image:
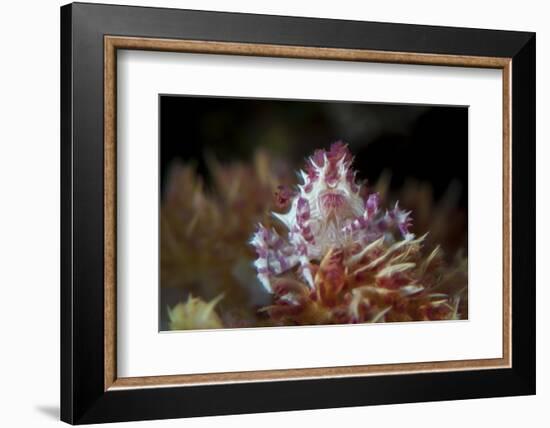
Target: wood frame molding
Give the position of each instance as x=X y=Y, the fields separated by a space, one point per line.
x=114 y=43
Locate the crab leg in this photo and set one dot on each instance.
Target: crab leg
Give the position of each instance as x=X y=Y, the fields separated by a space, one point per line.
x=303 y=238
x=274 y=255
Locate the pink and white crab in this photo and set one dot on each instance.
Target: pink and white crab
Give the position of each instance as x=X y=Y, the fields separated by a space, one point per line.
x=327 y=211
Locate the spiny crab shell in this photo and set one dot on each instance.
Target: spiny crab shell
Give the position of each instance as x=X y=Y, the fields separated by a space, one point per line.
x=328 y=211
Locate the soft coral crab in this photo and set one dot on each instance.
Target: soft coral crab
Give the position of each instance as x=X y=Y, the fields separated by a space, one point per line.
x=329 y=210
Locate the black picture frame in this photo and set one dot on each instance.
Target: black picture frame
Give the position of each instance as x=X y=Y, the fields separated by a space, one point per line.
x=83 y=396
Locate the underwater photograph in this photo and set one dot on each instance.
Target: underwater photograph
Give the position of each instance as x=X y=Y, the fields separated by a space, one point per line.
x=278 y=213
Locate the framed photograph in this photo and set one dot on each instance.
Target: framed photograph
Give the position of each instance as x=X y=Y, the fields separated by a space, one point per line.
x=265 y=213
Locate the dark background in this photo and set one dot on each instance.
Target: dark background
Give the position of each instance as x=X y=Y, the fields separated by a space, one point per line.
x=429 y=143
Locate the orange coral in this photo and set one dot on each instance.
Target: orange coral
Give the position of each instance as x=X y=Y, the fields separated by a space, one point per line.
x=379 y=283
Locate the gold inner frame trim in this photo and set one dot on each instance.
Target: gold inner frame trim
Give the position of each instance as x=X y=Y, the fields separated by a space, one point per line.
x=113 y=43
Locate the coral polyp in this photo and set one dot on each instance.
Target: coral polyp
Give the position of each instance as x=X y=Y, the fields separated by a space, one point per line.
x=195 y=314
x=342 y=258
